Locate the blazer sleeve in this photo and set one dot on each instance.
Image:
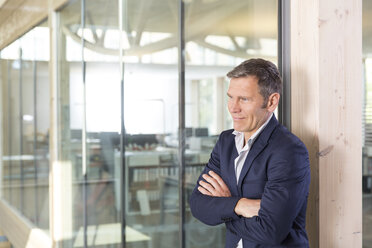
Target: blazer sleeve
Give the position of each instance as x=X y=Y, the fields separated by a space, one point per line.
x=284 y=196
x=213 y=210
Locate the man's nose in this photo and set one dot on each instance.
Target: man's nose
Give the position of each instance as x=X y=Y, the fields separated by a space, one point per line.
x=234 y=106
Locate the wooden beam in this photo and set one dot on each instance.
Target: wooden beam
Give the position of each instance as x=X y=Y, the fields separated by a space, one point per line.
x=2 y=2
x=21 y=19
x=20 y=231
x=19 y=16
x=326 y=82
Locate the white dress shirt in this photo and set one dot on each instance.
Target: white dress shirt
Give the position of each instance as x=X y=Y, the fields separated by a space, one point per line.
x=243 y=153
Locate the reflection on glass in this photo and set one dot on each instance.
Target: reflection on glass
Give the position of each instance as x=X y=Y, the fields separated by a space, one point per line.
x=219 y=35
x=28 y=194
x=102 y=122
x=151 y=123
x=14 y=130
x=90 y=117
x=25 y=131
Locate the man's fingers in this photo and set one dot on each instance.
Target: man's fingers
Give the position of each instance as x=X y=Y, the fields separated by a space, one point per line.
x=214 y=185
x=218 y=179
x=204 y=191
x=207 y=186
x=212 y=181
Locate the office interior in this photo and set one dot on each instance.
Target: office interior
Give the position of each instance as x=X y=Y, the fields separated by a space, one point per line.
x=103 y=136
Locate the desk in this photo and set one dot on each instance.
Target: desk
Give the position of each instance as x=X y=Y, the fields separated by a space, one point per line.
x=108 y=234
x=143 y=169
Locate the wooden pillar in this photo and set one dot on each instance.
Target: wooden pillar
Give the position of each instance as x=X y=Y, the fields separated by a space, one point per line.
x=60 y=176
x=326 y=85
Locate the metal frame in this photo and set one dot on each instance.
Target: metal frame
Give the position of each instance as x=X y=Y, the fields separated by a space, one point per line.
x=83 y=130
x=122 y=128
x=181 y=122
x=284 y=61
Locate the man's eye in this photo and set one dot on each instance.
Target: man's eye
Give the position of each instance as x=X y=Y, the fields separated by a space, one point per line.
x=244 y=99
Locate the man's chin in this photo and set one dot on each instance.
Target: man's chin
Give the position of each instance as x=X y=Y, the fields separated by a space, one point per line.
x=237 y=128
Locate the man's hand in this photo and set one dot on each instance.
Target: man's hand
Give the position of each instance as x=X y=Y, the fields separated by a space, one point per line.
x=247 y=207
x=214 y=186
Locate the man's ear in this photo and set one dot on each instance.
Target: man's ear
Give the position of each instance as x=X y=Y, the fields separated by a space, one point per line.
x=273 y=102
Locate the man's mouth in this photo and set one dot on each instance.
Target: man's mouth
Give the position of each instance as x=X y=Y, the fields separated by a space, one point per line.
x=238 y=118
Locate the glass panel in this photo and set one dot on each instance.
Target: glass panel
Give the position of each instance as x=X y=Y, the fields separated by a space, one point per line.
x=11 y=145
x=25 y=166
x=103 y=122
x=151 y=122
x=219 y=36
x=367 y=125
x=35 y=124
x=5 y=161
x=13 y=160
x=42 y=120
x=96 y=197
x=28 y=192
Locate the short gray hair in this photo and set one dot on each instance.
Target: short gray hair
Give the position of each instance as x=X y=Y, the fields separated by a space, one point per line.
x=269 y=80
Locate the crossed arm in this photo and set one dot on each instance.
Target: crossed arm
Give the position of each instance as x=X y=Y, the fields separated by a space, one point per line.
x=215 y=186
x=283 y=200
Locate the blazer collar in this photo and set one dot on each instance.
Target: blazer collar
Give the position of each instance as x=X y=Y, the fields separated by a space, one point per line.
x=259 y=144
x=266 y=133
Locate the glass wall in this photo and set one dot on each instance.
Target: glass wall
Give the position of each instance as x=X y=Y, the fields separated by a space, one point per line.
x=119 y=113
x=116 y=180
x=367 y=125
x=89 y=123
x=25 y=118
x=151 y=121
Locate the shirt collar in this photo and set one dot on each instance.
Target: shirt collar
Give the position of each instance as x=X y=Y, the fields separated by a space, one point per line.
x=240 y=135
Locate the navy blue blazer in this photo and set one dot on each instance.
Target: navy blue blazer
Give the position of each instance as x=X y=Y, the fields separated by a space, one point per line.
x=277 y=171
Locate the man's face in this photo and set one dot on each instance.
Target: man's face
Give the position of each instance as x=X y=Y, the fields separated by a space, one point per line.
x=245 y=105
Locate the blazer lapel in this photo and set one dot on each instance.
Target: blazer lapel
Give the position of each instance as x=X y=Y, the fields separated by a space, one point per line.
x=231 y=153
x=258 y=145
x=231 y=172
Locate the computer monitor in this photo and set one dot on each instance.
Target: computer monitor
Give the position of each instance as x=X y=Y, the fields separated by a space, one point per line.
x=201 y=132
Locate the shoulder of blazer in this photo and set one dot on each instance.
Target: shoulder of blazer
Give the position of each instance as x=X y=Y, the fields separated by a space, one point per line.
x=283 y=139
x=227 y=134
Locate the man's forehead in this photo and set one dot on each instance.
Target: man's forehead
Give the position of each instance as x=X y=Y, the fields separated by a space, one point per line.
x=239 y=93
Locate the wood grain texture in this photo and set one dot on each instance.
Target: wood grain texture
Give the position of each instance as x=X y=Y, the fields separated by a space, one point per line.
x=305 y=98
x=326 y=72
x=7 y=8
x=21 y=19
x=2 y=2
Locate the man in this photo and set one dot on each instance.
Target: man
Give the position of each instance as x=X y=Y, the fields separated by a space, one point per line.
x=257 y=179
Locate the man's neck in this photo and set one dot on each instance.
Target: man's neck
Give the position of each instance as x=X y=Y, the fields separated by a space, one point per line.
x=248 y=135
